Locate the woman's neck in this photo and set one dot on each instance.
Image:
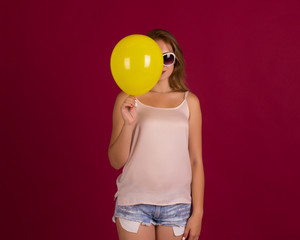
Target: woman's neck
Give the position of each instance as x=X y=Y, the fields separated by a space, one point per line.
x=161 y=92
x=162 y=87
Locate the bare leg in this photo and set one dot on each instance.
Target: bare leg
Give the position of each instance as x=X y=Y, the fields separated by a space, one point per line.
x=165 y=232
x=144 y=232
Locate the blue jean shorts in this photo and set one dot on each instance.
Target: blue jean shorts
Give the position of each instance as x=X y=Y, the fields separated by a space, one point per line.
x=175 y=215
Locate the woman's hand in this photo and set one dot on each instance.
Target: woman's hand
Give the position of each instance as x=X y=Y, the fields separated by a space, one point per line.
x=124 y=121
x=129 y=112
x=193 y=227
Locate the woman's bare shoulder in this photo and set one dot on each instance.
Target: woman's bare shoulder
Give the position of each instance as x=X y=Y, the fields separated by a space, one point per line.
x=194 y=107
x=192 y=100
x=121 y=97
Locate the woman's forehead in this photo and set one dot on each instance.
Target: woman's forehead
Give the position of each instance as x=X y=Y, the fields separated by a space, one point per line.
x=165 y=47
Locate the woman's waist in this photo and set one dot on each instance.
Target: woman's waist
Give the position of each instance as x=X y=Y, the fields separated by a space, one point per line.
x=156 y=178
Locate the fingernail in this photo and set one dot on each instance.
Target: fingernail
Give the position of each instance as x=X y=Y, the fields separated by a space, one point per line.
x=183 y=238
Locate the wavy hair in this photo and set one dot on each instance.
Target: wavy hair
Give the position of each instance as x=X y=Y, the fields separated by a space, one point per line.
x=177 y=80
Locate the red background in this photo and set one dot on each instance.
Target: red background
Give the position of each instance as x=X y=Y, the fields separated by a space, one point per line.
x=57 y=95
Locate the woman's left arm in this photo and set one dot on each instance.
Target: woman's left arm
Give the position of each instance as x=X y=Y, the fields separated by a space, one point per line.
x=193 y=227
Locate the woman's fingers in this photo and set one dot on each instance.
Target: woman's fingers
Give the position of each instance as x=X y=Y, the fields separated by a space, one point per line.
x=129 y=102
x=128 y=110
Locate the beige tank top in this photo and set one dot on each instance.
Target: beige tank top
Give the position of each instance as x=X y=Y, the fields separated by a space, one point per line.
x=158 y=170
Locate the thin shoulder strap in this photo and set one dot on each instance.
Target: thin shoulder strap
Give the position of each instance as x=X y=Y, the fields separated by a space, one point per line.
x=185 y=94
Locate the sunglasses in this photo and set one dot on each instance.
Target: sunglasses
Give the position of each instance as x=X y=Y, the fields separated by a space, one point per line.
x=169 y=58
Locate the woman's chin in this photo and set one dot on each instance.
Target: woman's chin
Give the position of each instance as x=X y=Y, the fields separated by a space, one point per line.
x=163 y=78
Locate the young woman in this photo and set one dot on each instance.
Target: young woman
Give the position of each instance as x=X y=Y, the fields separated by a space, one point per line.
x=157 y=138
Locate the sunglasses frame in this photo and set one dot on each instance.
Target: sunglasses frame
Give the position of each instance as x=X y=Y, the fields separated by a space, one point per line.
x=173 y=56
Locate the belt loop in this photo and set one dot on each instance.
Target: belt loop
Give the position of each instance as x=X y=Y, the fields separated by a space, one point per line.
x=157 y=212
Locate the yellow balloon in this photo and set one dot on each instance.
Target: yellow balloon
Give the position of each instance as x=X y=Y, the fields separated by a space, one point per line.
x=136 y=64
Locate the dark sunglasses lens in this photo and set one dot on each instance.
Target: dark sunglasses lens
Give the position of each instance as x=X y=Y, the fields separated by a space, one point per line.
x=168 y=59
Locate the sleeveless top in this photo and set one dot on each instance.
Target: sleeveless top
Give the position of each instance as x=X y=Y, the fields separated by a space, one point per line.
x=158 y=170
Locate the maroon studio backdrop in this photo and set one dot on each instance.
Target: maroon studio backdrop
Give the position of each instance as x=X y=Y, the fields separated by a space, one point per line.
x=57 y=96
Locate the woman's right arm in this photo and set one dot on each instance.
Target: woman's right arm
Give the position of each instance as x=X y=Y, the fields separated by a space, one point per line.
x=124 y=121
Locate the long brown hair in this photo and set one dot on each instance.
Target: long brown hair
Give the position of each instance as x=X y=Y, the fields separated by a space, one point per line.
x=177 y=78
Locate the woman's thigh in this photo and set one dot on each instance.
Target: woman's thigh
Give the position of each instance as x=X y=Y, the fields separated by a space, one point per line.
x=165 y=232
x=144 y=232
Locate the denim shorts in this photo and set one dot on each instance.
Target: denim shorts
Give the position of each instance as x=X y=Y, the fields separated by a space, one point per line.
x=175 y=215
